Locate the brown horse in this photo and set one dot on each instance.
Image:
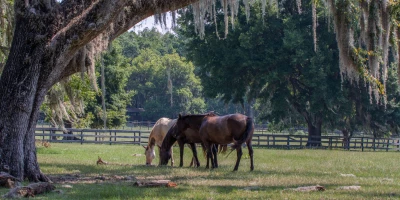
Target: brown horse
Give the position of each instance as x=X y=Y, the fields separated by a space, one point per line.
x=156 y=137
x=234 y=128
x=191 y=137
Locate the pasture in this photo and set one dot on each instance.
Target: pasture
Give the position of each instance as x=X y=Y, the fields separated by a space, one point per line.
x=73 y=169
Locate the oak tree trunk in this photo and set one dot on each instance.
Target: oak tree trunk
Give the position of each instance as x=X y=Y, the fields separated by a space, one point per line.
x=21 y=96
x=314 y=134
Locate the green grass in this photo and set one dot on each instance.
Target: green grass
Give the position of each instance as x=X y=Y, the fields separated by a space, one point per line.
x=378 y=174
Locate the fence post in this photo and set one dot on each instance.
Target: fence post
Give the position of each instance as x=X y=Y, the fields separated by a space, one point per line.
x=110 y=137
x=140 y=137
x=268 y=141
x=373 y=143
x=115 y=136
x=330 y=143
x=273 y=138
x=258 y=140
x=387 y=145
x=301 y=141
x=398 y=145
x=81 y=137
x=362 y=144
x=288 y=142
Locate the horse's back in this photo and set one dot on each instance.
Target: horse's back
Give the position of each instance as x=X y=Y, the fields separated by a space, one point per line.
x=224 y=128
x=232 y=121
x=161 y=128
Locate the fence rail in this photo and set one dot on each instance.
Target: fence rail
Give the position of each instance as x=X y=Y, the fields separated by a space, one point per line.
x=283 y=141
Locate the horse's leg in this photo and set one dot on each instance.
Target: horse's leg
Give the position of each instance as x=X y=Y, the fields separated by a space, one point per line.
x=215 y=153
x=239 y=156
x=195 y=158
x=205 y=153
x=181 y=149
x=209 y=155
x=159 y=150
x=172 y=157
x=192 y=162
x=250 y=148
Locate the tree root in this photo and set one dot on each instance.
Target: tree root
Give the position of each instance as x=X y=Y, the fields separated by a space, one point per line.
x=8 y=181
x=30 y=191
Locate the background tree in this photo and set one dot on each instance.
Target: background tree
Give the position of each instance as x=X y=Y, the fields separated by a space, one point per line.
x=165 y=85
x=273 y=59
x=117 y=70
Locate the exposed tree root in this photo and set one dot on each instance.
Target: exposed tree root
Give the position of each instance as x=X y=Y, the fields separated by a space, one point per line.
x=30 y=191
x=7 y=180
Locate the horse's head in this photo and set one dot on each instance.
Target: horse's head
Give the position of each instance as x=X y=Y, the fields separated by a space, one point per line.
x=150 y=154
x=165 y=155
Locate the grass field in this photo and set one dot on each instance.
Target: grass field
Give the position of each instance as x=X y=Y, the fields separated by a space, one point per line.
x=73 y=169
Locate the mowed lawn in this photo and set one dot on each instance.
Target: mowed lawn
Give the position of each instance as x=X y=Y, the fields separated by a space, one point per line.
x=76 y=175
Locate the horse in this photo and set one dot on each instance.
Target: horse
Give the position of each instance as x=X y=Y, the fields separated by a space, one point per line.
x=233 y=128
x=156 y=137
x=190 y=137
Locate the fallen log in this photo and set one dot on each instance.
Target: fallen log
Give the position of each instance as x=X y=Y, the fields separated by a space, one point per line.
x=30 y=191
x=7 y=180
x=155 y=183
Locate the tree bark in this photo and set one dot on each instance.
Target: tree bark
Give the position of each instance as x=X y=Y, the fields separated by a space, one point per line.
x=20 y=98
x=48 y=36
x=314 y=134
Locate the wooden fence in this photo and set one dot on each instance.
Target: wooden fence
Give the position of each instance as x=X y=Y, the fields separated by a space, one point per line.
x=282 y=141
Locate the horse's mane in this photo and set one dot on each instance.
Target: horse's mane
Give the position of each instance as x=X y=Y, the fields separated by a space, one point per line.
x=211 y=113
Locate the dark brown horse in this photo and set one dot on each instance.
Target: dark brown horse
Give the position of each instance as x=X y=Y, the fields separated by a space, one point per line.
x=234 y=128
x=190 y=136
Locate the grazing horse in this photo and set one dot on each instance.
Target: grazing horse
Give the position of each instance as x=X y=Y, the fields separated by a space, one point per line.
x=190 y=136
x=156 y=137
x=234 y=128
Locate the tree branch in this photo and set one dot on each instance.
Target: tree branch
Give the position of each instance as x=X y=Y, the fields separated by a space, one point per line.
x=113 y=17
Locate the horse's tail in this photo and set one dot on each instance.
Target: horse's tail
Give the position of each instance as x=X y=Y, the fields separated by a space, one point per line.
x=204 y=150
x=246 y=135
x=222 y=148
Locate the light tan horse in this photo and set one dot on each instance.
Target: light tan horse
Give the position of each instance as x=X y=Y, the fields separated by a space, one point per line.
x=156 y=137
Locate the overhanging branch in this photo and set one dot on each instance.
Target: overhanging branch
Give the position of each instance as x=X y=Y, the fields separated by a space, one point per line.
x=113 y=17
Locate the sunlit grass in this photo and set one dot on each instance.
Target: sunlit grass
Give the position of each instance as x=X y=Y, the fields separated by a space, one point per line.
x=276 y=171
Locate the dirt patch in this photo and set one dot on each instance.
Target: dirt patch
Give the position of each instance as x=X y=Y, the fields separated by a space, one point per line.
x=78 y=179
